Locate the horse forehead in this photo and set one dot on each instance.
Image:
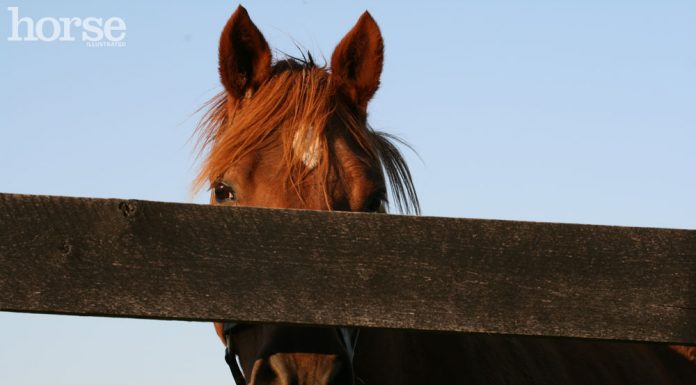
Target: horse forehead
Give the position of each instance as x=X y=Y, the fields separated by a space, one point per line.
x=307 y=146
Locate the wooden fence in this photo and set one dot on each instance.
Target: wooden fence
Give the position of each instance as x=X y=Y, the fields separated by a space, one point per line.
x=130 y=258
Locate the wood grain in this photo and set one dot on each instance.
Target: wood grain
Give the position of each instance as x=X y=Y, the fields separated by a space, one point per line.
x=129 y=258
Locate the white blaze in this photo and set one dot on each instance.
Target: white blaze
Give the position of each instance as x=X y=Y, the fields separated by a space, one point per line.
x=306 y=151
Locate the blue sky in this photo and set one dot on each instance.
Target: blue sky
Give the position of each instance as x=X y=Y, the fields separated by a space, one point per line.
x=581 y=112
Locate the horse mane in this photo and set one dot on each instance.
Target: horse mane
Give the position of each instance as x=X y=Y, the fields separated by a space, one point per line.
x=299 y=101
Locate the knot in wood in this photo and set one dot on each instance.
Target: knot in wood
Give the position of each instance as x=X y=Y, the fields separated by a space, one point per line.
x=128 y=208
x=66 y=249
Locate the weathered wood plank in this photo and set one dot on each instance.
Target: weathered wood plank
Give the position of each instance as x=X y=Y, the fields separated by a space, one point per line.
x=180 y=261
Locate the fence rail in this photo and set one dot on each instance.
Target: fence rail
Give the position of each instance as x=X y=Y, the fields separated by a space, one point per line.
x=130 y=258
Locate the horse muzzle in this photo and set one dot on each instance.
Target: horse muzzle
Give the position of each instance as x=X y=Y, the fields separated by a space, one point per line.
x=300 y=369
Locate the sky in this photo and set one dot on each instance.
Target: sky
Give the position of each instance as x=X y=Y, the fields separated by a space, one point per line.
x=554 y=111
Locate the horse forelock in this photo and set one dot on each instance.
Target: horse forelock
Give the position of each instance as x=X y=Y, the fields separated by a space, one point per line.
x=298 y=109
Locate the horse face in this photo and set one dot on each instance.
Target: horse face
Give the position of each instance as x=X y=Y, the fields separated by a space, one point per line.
x=294 y=135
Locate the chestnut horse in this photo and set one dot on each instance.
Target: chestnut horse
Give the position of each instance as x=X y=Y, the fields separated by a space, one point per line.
x=291 y=134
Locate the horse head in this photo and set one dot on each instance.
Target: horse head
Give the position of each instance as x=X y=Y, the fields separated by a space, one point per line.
x=288 y=133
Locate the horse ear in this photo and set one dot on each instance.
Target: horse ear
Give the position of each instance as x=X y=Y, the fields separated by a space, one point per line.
x=356 y=62
x=244 y=57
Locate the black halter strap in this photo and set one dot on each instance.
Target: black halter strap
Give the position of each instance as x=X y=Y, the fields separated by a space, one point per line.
x=349 y=338
x=231 y=357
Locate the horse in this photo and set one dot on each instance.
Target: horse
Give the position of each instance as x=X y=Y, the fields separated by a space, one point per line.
x=289 y=133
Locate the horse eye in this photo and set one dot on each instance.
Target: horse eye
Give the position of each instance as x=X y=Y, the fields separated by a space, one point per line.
x=377 y=204
x=224 y=193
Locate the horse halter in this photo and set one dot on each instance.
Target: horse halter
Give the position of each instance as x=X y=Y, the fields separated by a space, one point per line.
x=349 y=338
